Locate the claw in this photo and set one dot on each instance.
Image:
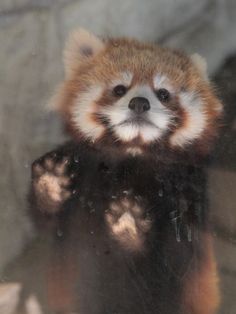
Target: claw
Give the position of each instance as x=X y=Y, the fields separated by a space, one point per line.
x=49 y=164
x=60 y=168
x=116 y=209
x=37 y=170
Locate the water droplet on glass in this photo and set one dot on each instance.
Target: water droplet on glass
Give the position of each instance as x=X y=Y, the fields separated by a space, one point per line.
x=76 y=158
x=82 y=200
x=127 y=192
x=138 y=197
x=59 y=233
x=175 y=218
x=177 y=230
x=91 y=232
x=196 y=235
x=199 y=213
x=74 y=191
x=189 y=233
x=160 y=192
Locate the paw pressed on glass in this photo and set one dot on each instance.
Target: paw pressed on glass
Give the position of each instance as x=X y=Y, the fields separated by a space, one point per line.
x=127 y=223
x=51 y=183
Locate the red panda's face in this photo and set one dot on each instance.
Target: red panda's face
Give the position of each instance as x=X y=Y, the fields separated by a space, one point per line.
x=132 y=113
x=129 y=95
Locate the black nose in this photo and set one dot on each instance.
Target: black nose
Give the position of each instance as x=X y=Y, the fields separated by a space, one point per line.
x=139 y=104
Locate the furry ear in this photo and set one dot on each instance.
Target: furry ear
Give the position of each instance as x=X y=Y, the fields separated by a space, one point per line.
x=80 y=46
x=200 y=64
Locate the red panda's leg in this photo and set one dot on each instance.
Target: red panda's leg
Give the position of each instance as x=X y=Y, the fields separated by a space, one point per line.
x=61 y=282
x=201 y=291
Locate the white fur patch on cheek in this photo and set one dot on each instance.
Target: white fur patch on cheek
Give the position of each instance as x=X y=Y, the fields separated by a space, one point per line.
x=160 y=117
x=195 y=121
x=82 y=111
x=115 y=114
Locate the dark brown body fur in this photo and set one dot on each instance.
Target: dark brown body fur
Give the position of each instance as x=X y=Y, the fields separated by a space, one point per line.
x=173 y=272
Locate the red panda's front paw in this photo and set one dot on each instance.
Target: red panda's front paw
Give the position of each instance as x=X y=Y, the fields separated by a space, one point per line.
x=127 y=223
x=51 y=184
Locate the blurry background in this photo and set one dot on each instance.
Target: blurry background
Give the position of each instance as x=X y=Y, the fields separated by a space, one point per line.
x=32 y=34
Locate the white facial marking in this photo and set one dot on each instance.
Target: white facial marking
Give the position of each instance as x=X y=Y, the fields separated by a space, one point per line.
x=149 y=133
x=162 y=81
x=127 y=132
x=158 y=117
x=127 y=78
x=124 y=78
x=196 y=119
x=82 y=110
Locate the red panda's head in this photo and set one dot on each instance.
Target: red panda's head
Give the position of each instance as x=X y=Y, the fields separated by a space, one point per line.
x=133 y=97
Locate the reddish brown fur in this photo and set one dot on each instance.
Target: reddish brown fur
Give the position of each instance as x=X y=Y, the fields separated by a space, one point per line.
x=143 y=60
x=61 y=282
x=201 y=292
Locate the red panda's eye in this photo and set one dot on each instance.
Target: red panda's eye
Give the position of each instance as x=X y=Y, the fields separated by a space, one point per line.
x=119 y=90
x=163 y=95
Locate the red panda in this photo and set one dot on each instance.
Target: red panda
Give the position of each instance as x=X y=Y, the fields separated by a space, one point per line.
x=128 y=191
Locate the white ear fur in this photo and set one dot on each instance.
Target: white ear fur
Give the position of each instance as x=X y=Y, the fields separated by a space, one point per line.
x=200 y=64
x=80 y=46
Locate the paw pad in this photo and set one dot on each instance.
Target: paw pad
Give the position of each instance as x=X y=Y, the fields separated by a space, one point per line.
x=51 y=183
x=127 y=223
